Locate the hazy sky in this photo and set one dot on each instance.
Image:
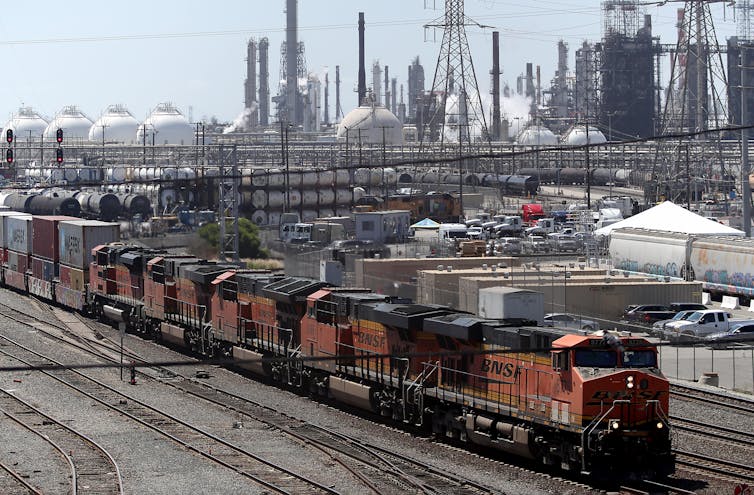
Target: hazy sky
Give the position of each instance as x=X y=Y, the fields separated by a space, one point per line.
x=192 y=53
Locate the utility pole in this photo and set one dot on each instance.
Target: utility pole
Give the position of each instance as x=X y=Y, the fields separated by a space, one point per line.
x=745 y=165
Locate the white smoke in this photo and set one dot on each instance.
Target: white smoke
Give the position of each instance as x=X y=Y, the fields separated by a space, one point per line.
x=241 y=122
x=516 y=110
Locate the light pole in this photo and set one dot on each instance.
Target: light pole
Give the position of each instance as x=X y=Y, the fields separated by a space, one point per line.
x=610 y=150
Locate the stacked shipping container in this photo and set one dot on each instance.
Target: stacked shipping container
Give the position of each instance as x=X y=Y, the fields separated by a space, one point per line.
x=46 y=253
x=17 y=242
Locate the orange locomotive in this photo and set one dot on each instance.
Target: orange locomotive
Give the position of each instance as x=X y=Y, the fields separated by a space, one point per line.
x=587 y=403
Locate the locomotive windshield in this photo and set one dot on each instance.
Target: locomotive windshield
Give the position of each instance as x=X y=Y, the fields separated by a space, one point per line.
x=639 y=359
x=593 y=358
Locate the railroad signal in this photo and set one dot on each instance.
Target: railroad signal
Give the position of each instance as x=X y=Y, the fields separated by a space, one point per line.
x=59 y=135
x=9 y=156
x=58 y=155
x=9 y=135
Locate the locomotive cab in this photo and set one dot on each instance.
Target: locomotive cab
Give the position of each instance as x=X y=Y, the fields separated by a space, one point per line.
x=613 y=389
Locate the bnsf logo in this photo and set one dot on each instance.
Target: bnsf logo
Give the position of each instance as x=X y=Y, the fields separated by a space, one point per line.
x=496 y=367
x=72 y=244
x=370 y=339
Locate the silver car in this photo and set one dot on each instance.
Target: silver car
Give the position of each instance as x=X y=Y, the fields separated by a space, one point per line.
x=571 y=322
x=659 y=326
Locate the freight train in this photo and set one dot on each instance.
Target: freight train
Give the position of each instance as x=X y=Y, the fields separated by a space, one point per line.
x=584 y=403
x=724 y=264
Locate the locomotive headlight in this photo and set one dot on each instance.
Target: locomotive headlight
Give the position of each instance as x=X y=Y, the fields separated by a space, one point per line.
x=630 y=382
x=659 y=425
x=615 y=424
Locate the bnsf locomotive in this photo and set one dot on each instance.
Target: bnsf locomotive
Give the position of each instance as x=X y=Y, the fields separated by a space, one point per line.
x=585 y=403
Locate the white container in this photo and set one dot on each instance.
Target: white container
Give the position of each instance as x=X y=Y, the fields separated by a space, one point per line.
x=295 y=198
x=259 y=177
x=326 y=178
x=362 y=176
x=6 y=215
x=77 y=238
x=18 y=234
x=511 y=302
x=294 y=178
x=308 y=179
x=275 y=199
x=276 y=178
x=342 y=178
x=116 y=174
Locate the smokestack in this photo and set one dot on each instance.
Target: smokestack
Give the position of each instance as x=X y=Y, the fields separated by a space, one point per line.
x=496 y=86
x=362 y=67
x=393 y=87
x=327 y=99
x=376 y=82
x=264 y=82
x=539 y=87
x=338 y=108
x=387 y=87
x=291 y=43
x=250 y=88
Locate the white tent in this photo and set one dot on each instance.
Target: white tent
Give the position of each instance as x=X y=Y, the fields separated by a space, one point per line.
x=669 y=217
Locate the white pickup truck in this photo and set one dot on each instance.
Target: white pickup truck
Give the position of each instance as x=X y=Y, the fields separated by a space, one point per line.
x=699 y=324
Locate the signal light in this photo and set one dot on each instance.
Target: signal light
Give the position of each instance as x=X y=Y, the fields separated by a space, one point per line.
x=9 y=135
x=59 y=135
x=59 y=155
x=9 y=156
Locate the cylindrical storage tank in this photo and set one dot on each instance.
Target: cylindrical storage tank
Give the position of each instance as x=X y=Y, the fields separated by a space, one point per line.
x=106 y=206
x=376 y=176
x=167 y=196
x=309 y=179
x=259 y=217
x=275 y=199
x=116 y=174
x=325 y=178
x=186 y=173
x=343 y=211
x=308 y=215
x=342 y=178
x=137 y=204
x=273 y=218
x=391 y=177
x=247 y=177
x=294 y=178
x=362 y=176
x=310 y=198
x=326 y=212
x=294 y=197
x=326 y=197
x=276 y=178
x=259 y=177
x=4 y=195
x=471 y=179
x=43 y=205
x=358 y=193
x=343 y=196
x=430 y=178
x=259 y=199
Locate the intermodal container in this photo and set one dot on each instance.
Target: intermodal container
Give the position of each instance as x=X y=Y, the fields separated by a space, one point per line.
x=42 y=269
x=4 y=217
x=17 y=262
x=18 y=231
x=77 y=238
x=45 y=242
x=73 y=278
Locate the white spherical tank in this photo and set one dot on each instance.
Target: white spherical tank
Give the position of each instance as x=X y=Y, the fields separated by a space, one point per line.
x=166 y=125
x=74 y=123
x=259 y=217
x=116 y=125
x=116 y=174
x=576 y=136
x=537 y=135
x=309 y=198
x=26 y=125
x=373 y=124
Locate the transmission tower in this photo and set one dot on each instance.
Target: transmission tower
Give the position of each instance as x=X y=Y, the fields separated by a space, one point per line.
x=228 y=204
x=454 y=106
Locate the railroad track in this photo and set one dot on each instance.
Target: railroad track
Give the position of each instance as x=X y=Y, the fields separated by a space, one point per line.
x=720 y=468
x=401 y=473
x=708 y=397
x=266 y=473
x=14 y=482
x=93 y=469
x=743 y=438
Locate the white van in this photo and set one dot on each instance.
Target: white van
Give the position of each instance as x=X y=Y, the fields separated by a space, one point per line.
x=448 y=232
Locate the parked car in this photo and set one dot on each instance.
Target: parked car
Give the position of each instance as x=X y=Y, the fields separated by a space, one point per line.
x=659 y=326
x=569 y=321
x=536 y=244
x=738 y=332
x=505 y=246
x=700 y=324
x=648 y=314
x=566 y=242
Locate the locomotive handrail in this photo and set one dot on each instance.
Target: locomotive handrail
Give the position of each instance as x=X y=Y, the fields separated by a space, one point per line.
x=585 y=436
